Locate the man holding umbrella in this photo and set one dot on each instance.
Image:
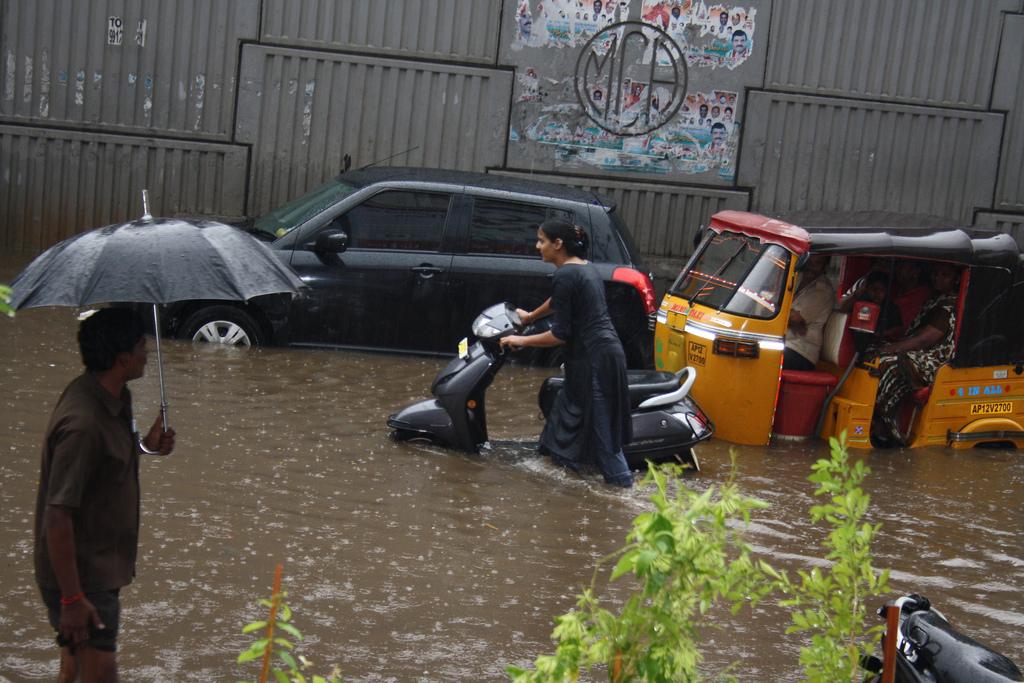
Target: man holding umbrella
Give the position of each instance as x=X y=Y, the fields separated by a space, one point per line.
x=87 y=508
x=87 y=511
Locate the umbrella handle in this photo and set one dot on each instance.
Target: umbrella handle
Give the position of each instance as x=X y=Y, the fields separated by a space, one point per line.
x=140 y=442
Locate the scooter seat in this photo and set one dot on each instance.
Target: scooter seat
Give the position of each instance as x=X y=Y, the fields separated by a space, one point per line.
x=953 y=656
x=643 y=384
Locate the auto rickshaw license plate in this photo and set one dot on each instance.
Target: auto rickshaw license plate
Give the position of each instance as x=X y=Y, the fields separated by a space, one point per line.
x=991 y=408
x=464 y=348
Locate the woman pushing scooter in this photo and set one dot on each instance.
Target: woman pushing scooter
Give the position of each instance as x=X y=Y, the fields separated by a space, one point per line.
x=590 y=420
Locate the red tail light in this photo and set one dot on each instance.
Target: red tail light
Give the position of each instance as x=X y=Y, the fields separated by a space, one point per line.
x=641 y=282
x=733 y=347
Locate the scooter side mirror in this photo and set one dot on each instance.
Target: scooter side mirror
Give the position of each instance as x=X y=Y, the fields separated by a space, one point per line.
x=513 y=317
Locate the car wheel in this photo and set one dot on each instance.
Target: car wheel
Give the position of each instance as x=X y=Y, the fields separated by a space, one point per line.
x=222 y=325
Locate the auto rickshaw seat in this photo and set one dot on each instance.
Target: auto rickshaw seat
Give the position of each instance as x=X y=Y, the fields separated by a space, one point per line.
x=837 y=342
x=921 y=396
x=801 y=395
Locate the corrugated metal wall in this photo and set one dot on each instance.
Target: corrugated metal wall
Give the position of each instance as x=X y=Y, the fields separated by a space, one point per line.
x=804 y=153
x=940 y=52
x=875 y=107
x=450 y=30
x=169 y=69
x=1012 y=224
x=303 y=111
x=1009 y=97
x=58 y=183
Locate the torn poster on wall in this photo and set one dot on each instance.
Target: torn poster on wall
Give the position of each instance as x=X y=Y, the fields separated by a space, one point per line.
x=711 y=37
x=702 y=138
x=629 y=107
x=564 y=23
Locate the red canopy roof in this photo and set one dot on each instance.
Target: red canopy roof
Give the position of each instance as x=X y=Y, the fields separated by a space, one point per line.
x=765 y=229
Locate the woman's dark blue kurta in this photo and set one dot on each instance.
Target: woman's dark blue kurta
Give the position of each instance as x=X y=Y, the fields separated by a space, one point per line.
x=593 y=354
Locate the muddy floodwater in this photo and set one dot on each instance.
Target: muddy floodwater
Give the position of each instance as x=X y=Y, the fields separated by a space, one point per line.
x=410 y=563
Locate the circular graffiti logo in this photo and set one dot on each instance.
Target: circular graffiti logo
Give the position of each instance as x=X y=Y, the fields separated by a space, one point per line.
x=631 y=78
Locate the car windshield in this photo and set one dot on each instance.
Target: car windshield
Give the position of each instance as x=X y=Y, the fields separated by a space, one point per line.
x=736 y=274
x=283 y=219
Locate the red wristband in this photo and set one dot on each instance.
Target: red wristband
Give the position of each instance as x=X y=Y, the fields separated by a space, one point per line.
x=72 y=599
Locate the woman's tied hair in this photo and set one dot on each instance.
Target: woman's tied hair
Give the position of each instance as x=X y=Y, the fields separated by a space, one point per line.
x=579 y=236
x=574 y=238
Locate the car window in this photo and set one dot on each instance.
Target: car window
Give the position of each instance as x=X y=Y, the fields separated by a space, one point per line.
x=284 y=219
x=508 y=228
x=397 y=219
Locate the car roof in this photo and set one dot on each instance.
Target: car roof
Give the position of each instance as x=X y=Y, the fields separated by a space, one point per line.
x=969 y=246
x=489 y=181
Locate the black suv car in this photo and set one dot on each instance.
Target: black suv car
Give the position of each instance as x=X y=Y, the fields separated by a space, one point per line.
x=405 y=258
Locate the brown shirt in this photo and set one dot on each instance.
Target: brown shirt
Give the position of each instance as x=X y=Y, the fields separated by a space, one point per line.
x=90 y=464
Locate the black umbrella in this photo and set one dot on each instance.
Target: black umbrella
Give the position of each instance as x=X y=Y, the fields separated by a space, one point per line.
x=154 y=261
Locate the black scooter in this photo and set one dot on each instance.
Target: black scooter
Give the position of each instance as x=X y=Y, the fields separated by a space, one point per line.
x=929 y=650
x=666 y=422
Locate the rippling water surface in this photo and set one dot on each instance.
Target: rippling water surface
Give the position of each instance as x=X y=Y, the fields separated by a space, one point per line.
x=410 y=563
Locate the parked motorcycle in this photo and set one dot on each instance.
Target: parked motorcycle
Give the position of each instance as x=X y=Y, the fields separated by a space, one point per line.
x=929 y=650
x=667 y=423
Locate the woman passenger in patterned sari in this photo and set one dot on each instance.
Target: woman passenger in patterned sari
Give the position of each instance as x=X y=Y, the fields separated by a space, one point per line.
x=911 y=363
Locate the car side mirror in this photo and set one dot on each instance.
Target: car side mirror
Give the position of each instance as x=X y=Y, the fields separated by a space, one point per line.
x=331 y=242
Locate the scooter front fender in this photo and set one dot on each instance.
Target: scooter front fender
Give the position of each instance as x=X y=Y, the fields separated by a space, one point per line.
x=427 y=419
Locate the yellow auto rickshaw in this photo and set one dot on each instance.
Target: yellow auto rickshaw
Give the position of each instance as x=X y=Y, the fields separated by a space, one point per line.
x=727 y=315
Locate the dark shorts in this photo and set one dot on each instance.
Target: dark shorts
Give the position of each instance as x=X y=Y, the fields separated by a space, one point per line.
x=107 y=604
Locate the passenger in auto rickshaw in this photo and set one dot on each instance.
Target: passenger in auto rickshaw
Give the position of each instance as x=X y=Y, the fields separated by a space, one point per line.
x=812 y=303
x=908 y=292
x=910 y=363
x=874 y=288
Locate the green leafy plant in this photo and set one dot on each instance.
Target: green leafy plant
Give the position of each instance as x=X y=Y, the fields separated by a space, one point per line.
x=5 y=301
x=831 y=604
x=271 y=647
x=687 y=556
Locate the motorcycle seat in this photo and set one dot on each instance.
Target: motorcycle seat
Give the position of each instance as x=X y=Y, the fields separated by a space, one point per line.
x=952 y=655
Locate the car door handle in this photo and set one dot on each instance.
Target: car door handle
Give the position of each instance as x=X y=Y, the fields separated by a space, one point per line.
x=427 y=272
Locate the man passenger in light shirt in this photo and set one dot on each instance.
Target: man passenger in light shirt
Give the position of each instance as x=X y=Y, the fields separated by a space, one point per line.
x=812 y=304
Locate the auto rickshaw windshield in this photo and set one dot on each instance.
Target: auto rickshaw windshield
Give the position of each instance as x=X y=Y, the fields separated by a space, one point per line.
x=735 y=274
